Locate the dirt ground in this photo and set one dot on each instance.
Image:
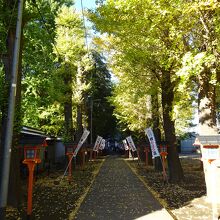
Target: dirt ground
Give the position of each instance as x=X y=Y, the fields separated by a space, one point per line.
x=182 y=199
x=52 y=200
x=176 y=195
x=186 y=200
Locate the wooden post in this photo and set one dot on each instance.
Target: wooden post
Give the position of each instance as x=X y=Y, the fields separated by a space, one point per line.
x=90 y=154
x=126 y=154
x=146 y=150
x=70 y=155
x=94 y=154
x=163 y=155
x=31 y=166
x=82 y=159
x=138 y=155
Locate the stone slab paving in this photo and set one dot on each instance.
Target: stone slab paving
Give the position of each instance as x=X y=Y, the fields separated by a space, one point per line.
x=197 y=209
x=117 y=193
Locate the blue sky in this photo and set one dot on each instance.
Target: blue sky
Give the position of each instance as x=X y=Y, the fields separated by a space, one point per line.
x=90 y=4
x=86 y=4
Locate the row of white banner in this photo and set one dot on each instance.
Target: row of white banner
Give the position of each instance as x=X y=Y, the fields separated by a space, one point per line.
x=99 y=144
x=81 y=141
x=129 y=143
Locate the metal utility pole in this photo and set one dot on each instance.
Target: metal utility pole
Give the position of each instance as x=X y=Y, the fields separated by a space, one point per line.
x=91 y=120
x=91 y=117
x=6 y=153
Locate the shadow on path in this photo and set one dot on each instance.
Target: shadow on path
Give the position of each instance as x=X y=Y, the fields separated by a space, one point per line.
x=118 y=194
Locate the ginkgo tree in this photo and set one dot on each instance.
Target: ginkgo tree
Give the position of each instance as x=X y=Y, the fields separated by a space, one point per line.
x=155 y=36
x=62 y=82
x=70 y=48
x=176 y=43
x=201 y=62
x=54 y=75
x=145 y=33
x=31 y=15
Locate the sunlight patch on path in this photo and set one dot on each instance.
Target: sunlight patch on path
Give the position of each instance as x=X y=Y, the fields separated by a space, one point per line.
x=194 y=210
x=160 y=214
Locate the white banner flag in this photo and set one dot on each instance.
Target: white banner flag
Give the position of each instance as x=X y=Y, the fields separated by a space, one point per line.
x=97 y=143
x=81 y=141
x=125 y=145
x=102 y=145
x=131 y=143
x=153 y=144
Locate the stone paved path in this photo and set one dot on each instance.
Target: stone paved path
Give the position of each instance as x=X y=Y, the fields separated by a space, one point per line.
x=118 y=194
x=197 y=209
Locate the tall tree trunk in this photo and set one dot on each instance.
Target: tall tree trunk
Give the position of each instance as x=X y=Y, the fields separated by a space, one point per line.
x=79 y=129
x=68 y=121
x=79 y=82
x=89 y=113
x=174 y=165
x=207 y=105
x=68 y=118
x=156 y=129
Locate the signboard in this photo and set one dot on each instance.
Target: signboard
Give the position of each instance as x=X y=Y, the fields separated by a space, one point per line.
x=131 y=143
x=102 y=145
x=210 y=152
x=97 y=143
x=125 y=145
x=81 y=141
x=153 y=145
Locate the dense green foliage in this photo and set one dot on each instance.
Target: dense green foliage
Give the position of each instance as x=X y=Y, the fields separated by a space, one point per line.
x=165 y=55
x=53 y=50
x=104 y=122
x=144 y=39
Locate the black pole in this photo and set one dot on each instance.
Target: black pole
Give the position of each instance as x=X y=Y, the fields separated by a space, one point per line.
x=6 y=152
